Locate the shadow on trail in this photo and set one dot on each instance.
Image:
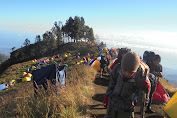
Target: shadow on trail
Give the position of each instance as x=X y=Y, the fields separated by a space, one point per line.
x=97 y=115
x=104 y=81
x=99 y=97
x=96 y=107
x=155 y=116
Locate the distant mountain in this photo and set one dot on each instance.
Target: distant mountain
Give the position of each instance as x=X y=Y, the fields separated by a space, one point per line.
x=16 y=39
x=174 y=82
x=169 y=71
x=3 y=58
x=170 y=75
x=5 y=51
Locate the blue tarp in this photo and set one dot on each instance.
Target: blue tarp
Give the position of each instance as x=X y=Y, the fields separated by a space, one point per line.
x=46 y=73
x=91 y=62
x=2 y=86
x=49 y=73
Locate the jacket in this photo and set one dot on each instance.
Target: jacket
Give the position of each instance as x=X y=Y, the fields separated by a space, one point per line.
x=121 y=90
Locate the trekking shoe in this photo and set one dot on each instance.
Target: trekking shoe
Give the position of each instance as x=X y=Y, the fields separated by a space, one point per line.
x=149 y=110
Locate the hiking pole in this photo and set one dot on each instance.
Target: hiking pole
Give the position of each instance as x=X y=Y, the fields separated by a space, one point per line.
x=143 y=104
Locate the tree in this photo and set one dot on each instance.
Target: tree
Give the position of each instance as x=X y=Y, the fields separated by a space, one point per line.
x=77 y=28
x=13 y=49
x=89 y=35
x=83 y=30
x=68 y=28
x=38 y=46
x=56 y=30
x=49 y=41
x=27 y=42
x=38 y=38
x=85 y=33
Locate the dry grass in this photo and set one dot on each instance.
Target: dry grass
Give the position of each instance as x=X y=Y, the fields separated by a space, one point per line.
x=71 y=102
x=169 y=87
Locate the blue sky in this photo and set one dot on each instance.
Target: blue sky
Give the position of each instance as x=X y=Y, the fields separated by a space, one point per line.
x=102 y=15
x=117 y=22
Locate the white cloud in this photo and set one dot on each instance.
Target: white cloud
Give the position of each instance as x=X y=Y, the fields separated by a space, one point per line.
x=160 y=41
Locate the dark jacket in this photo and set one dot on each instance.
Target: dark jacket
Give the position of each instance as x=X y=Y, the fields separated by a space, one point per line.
x=156 y=69
x=121 y=90
x=103 y=63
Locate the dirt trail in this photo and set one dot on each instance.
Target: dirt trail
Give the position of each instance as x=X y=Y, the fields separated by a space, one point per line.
x=97 y=109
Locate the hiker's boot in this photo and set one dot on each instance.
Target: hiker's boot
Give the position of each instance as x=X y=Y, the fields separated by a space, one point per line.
x=149 y=110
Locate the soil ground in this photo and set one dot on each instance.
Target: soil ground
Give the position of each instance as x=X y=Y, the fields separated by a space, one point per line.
x=97 y=109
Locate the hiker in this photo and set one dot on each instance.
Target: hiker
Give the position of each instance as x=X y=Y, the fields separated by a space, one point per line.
x=85 y=60
x=121 y=53
x=153 y=81
x=156 y=67
x=103 y=63
x=78 y=55
x=107 y=64
x=125 y=81
x=148 y=57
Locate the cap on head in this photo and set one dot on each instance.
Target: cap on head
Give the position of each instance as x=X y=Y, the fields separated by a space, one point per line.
x=130 y=62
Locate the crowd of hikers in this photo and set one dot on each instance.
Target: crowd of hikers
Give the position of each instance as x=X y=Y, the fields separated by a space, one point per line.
x=132 y=82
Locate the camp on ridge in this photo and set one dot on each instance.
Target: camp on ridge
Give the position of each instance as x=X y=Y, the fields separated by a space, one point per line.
x=59 y=78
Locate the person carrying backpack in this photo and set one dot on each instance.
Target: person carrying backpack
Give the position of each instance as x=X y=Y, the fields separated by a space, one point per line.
x=121 y=53
x=126 y=81
x=103 y=64
x=150 y=58
x=156 y=67
x=153 y=81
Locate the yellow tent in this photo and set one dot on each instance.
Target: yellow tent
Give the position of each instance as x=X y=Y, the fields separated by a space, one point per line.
x=23 y=74
x=105 y=48
x=26 y=79
x=52 y=58
x=28 y=75
x=33 y=67
x=96 y=65
x=171 y=107
x=82 y=61
x=13 y=81
x=69 y=54
x=65 y=55
x=89 y=59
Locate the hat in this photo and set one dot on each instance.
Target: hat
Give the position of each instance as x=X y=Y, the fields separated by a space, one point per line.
x=130 y=62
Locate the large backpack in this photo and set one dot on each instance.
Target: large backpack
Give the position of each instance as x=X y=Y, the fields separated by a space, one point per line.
x=143 y=66
x=148 y=56
x=119 y=102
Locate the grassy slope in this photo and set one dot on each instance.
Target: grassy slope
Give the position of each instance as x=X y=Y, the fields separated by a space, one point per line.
x=19 y=100
x=171 y=89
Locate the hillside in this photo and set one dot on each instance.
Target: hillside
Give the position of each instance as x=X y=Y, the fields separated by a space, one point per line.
x=72 y=48
x=19 y=100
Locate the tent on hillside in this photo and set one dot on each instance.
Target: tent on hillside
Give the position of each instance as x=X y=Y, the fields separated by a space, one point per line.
x=171 y=106
x=96 y=65
x=2 y=86
x=26 y=79
x=91 y=62
x=55 y=74
x=160 y=95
